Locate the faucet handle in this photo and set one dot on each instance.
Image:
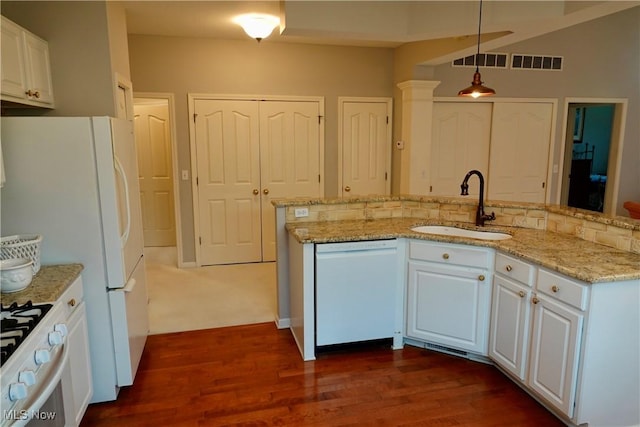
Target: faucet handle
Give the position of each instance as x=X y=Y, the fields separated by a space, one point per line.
x=491 y=217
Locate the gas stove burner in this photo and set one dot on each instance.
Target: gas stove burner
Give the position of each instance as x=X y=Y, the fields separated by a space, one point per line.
x=17 y=321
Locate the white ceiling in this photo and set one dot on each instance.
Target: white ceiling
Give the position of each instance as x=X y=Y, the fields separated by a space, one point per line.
x=375 y=23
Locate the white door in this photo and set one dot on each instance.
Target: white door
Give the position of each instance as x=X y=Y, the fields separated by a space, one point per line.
x=153 y=141
x=460 y=142
x=365 y=157
x=289 y=159
x=228 y=181
x=518 y=161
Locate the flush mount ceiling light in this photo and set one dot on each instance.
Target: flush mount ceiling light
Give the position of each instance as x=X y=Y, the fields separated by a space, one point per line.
x=477 y=89
x=257 y=25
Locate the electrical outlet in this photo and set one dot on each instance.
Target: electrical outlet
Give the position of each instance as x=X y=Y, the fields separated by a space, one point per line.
x=301 y=212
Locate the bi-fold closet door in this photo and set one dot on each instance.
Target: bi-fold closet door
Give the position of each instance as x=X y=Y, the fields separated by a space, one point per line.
x=249 y=152
x=508 y=142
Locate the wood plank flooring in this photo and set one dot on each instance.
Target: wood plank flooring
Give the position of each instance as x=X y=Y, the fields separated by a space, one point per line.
x=253 y=375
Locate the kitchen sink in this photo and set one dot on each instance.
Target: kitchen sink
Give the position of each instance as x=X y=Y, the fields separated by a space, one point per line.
x=460 y=232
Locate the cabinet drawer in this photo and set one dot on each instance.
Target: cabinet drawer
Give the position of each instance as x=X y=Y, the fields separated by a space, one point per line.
x=516 y=269
x=73 y=296
x=563 y=289
x=450 y=254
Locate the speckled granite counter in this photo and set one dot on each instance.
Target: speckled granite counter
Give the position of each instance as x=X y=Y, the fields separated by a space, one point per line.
x=574 y=257
x=46 y=286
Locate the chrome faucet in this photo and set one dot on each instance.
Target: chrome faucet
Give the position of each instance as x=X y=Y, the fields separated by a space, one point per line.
x=481 y=217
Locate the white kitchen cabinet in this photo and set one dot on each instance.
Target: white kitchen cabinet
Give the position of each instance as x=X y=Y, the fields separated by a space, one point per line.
x=567 y=342
x=511 y=314
x=77 y=380
x=26 y=70
x=448 y=295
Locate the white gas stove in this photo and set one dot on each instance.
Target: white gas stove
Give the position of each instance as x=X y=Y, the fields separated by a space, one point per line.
x=34 y=358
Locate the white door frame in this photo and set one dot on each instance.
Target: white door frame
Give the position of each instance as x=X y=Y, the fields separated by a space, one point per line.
x=191 y=97
x=169 y=97
x=341 y=102
x=615 y=151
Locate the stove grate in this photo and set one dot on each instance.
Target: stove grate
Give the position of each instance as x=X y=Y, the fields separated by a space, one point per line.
x=16 y=322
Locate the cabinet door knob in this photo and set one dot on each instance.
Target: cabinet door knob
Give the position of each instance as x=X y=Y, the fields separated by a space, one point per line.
x=522 y=294
x=445 y=256
x=555 y=288
x=347 y=188
x=72 y=302
x=508 y=268
x=265 y=191
x=535 y=300
x=481 y=278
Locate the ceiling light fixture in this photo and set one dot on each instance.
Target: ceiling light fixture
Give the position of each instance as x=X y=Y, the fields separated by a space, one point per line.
x=257 y=25
x=477 y=89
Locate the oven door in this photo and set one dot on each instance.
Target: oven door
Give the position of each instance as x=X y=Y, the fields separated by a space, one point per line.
x=47 y=406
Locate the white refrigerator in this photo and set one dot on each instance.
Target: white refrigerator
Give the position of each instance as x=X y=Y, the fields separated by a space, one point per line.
x=75 y=181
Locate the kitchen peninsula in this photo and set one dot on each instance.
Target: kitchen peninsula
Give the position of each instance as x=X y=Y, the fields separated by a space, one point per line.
x=556 y=307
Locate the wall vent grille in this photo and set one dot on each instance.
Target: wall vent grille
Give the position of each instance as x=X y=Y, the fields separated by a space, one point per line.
x=485 y=60
x=536 y=62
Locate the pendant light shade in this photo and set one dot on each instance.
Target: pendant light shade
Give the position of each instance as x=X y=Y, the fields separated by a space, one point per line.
x=477 y=89
x=256 y=25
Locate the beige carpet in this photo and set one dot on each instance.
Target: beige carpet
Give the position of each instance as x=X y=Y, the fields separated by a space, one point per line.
x=207 y=297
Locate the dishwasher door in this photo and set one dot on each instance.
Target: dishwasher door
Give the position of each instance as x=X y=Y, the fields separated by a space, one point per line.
x=355 y=291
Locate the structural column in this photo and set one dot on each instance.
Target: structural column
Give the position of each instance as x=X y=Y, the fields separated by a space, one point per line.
x=417 y=118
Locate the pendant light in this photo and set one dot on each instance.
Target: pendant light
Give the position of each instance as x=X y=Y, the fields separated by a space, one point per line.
x=477 y=89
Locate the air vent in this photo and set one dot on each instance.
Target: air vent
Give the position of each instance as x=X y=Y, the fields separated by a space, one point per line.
x=536 y=62
x=485 y=60
x=444 y=349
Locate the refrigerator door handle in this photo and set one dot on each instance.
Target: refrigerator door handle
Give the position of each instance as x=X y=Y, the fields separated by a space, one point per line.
x=131 y=283
x=125 y=235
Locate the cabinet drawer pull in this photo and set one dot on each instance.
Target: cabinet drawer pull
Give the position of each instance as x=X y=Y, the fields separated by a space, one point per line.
x=481 y=278
x=535 y=300
x=508 y=268
x=445 y=256
x=72 y=302
x=555 y=288
x=522 y=294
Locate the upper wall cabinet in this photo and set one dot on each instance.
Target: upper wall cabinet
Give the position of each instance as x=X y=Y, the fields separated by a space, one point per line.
x=26 y=72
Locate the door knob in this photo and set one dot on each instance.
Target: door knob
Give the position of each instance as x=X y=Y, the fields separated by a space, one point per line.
x=347 y=188
x=522 y=294
x=481 y=278
x=445 y=256
x=256 y=191
x=265 y=191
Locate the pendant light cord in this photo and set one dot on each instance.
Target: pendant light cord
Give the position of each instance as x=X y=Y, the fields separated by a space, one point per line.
x=479 y=24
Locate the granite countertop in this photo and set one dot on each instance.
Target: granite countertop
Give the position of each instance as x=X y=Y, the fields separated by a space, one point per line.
x=47 y=285
x=574 y=257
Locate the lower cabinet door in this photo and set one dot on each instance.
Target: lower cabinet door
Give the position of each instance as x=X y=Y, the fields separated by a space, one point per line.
x=79 y=377
x=555 y=346
x=449 y=306
x=510 y=320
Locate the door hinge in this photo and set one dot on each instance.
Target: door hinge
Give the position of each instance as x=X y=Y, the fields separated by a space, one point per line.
x=200 y=240
x=319 y=119
x=431 y=189
x=197 y=181
x=194 y=117
x=387 y=119
x=543 y=184
x=385 y=176
x=319 y=178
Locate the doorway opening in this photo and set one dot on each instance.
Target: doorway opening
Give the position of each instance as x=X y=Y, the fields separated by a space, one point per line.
x=593 y=145
x=157 y=165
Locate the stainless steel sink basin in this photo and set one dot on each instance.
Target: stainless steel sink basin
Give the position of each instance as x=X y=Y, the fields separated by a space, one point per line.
x=460 y=232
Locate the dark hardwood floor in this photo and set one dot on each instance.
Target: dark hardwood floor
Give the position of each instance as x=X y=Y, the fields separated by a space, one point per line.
x=254 y=375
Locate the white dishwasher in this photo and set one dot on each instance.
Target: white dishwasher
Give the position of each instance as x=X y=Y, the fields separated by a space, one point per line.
x=355 y=291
